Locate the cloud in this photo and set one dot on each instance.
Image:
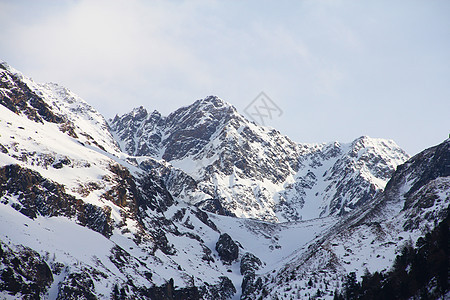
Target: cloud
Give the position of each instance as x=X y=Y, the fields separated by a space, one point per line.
x=314 y=57
x=112 y=46
x=130 y=52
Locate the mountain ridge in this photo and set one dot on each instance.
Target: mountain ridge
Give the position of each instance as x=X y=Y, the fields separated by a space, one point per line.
x=232 y=158
x=82 y=219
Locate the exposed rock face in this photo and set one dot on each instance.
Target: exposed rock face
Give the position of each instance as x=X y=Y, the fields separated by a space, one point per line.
x=416 y=198
x=168 y=292
x=228 y=250
x=77 y=286
x=228 y=165
x=23 y=272
x=424 y=167
x=421 y=184
x=138 y=193
x=37 y=195
x=222 y=290
x=249 y=265
x=19 y=98
x=214 y=206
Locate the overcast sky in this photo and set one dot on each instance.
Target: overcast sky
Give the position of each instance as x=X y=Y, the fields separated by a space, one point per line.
x=336 y=69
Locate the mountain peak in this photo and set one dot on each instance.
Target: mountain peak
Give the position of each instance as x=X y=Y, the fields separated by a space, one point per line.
x=212 y=102
x=212 y=107
x=139 y=112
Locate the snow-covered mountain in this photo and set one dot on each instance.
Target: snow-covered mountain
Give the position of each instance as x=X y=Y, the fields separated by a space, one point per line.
x=91 y=210
x=415 y=200
x=73 y=207
x=239 y=168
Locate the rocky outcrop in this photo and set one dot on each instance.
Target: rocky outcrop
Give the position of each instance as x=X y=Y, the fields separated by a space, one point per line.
x=168 y=292
x=249 y=265
x=77 y=286
x=224 y=289
x=37 y=195
x=215 y=206
x=23 y=273
x=227 y=249
x=421 y=169
x=19 y=98
x=137 y=194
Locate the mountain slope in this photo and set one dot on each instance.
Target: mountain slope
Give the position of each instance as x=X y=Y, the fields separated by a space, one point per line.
x=238 y=168
x=416 y=199
x=98 y=223
x=82 y=219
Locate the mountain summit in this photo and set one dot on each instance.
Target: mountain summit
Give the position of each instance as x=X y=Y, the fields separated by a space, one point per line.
x=184 y=132
x=256 y=172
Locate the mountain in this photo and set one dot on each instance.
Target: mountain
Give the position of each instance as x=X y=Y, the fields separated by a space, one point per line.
x=91 y=209
x=367 y=240
x=73 y=208
x=236 y=167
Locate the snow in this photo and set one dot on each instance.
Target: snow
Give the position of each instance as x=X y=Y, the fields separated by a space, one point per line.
x=301 y=248
x=58 y=239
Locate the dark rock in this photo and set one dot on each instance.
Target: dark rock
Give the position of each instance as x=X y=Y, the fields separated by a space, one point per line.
x=222 y=290
x=37 y=195
x=250 y=285
x=202 y=216
x=3 y=149
x=168 y=292
x=138 y=194
x=61 y=163
x=214 y=206
x=11 y=281
x=19 y=98
x=175 y=180
x=249 y=263
x=430 y=164
x=155 y=193
x=228 y=250
x=24 y=272
x=207 y=254
x=162 y=243
x=95 y=218
x=421 y=169
x=40 y=196
x=77 y=286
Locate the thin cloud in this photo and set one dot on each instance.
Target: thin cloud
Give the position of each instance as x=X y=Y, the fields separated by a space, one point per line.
x=308 y=56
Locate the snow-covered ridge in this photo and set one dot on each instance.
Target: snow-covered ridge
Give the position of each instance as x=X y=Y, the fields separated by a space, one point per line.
x=369 y=238
x=72 y=178
x=80 y=218
x=90 y=125
x=256 y=172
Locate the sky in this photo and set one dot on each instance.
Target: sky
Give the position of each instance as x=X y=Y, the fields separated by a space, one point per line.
x=331 y=70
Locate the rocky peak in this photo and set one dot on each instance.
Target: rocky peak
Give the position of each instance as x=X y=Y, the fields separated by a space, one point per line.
x=254 y=171
x=212 y=102
x=424 y=167
x=139 y=113
x=19 y=98
x=183 y=132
